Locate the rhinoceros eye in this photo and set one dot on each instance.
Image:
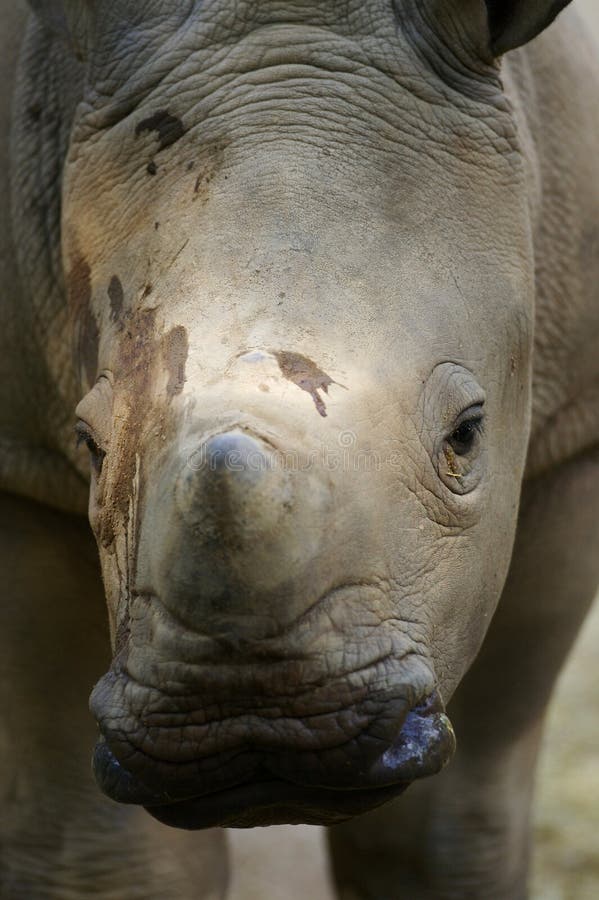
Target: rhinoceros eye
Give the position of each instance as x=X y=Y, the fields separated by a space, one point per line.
x=462 y=438
x=85 y=436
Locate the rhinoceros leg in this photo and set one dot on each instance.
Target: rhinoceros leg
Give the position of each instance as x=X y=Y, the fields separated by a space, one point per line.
x=465 y=833
x=60 y=838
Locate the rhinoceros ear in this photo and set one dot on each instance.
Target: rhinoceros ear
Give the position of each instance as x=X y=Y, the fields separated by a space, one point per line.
x=514 y=22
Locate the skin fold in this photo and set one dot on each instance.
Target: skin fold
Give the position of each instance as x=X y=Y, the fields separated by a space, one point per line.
x=299 y=301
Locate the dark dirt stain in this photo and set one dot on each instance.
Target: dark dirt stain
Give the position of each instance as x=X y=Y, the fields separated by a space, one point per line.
x=151 y=168
x=79 y=285
x=136 y=345
x=306 y=375
x=117 y=298
x=169 y=128
x=175 y=349
x=87 y=338
x=89 y=343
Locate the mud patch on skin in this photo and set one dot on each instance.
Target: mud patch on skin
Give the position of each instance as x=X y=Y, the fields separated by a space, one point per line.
x=149 y=370
x=132 y=371
x=175 y=349
x=143 y=425
x=306 y=375
x=169 y=128
x=117 y=297
x=143 y=357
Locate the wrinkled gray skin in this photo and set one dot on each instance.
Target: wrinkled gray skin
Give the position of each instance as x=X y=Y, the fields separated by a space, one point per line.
x=322 y=278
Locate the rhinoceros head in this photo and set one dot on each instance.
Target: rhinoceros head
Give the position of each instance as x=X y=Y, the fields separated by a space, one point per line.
x=297 y=240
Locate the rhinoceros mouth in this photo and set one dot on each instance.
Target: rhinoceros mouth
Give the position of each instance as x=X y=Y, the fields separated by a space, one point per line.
x=273 y=803
x=254 y=794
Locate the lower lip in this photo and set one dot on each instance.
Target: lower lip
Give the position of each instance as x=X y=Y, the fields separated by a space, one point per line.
x=254 y=803
x=272 y=803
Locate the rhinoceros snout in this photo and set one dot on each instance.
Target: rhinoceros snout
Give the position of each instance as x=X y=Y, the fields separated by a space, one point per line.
x=235 y=528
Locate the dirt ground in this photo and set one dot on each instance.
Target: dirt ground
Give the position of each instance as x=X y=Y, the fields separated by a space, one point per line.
x=289 y=863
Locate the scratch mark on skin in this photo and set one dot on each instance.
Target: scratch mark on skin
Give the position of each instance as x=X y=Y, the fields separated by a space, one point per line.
x=172 y=262
x=169 y=128
x=306 y=375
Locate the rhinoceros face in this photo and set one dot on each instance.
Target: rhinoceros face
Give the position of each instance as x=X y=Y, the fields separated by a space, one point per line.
x=297 y=250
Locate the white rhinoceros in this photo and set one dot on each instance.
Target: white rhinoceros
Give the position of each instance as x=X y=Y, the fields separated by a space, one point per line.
x=321 y=279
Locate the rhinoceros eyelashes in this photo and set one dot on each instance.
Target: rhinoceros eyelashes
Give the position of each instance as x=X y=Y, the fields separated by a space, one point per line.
x=85 y=436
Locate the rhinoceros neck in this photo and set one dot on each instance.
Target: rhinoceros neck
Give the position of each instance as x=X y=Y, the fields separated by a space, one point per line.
x=38 y=387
